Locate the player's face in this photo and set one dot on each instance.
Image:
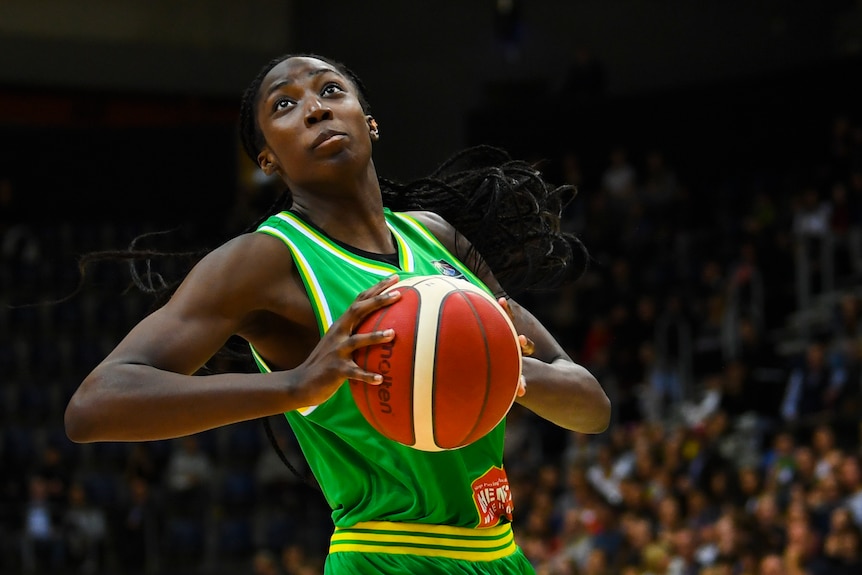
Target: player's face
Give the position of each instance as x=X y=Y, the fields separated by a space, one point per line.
x=312 y=122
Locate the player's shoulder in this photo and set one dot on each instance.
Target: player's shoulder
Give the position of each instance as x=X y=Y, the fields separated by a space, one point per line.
x=430 y=220
x=445 y=232
x=251 y=250
x=250 y=259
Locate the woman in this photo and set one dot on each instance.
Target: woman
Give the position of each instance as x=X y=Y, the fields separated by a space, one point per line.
x=396 y=510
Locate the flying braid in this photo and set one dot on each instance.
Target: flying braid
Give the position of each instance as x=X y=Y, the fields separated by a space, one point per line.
x=507 y=211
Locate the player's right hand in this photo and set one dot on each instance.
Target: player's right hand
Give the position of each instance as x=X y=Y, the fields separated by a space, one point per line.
x=331 y=361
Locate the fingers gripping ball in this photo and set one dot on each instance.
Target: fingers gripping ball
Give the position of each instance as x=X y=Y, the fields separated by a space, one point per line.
x=452 y=371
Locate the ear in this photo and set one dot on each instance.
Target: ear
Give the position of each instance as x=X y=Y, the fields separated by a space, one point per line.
x=372 y=128
x=267 y=162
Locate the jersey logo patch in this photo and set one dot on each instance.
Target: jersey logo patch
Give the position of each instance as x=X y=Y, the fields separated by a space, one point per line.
x=448 y=269
x=492 y=497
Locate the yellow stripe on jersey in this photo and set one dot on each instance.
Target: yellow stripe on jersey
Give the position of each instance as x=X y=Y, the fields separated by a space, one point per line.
x=380 y=269
x=318 y=299
x=407 y=261
x=425 y=540
x=421 y=229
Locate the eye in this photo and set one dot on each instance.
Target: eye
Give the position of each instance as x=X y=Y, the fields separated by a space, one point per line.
x=330 y=89
x=282 y=104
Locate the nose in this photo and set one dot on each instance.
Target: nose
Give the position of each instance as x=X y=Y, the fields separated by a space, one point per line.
x=317 y=111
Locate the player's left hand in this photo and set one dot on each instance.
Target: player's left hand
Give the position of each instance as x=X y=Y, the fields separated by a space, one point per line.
x=527 y=345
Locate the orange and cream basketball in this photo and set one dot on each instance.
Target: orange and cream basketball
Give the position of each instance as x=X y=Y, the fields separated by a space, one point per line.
x=452 y=371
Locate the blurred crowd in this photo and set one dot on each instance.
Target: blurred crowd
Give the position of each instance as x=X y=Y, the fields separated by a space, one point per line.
x=725 y=323
x=723 y=318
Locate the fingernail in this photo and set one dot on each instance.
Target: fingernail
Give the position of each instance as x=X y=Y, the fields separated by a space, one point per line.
x=388 y=332
x=394 y=293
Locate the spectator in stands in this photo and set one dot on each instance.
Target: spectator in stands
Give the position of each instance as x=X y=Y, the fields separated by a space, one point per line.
x=709 y=459
x=824 y=498
x=707 y=400
x=661 y=392
x=826 y=452
x=767 y=530
x=813 y=386
x=580 y=451
x=668 y=518
x=619 y=180
x=574 y=544
x=850 y=481
x=802 y=551
x=598 y=563
x=778 y=462
x=842 y=546
x=42 y=545
x=584 y=83
x=140 y=463
x=804 y=474
x=846 y=323
x=295 y=561
x=578 y=495
x=773 y=564
x=637 y=536
x=683 y=544
x=279 y=483
x=655 y=560
x=265 y=562
x=137 y=526
x=188 y=476
x=660 y=184
x=738 y=398
x=811 y=215
x=523 y=445
x=85 y=528
x=56 y=473
x=604 y=477
x=709 y=305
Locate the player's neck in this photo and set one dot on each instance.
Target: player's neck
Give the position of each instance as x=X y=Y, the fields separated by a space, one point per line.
x=358 y=224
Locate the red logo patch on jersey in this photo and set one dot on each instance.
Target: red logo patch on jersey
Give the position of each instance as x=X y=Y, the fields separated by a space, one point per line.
x=492 y=497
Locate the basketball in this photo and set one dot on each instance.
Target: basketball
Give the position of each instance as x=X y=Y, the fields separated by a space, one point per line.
x=452 y=371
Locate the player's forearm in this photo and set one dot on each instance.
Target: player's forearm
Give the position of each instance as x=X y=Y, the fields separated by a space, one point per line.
x=566 y=394
x=139 y=403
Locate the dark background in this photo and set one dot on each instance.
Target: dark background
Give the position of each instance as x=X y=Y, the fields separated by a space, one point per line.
x=117 y=108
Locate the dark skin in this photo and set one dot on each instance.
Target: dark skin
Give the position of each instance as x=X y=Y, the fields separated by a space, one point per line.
x=319 y=141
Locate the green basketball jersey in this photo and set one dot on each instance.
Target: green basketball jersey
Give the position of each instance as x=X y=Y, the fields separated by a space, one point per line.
x=364 y=475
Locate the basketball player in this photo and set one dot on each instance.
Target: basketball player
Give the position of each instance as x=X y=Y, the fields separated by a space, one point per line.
x=295 y=290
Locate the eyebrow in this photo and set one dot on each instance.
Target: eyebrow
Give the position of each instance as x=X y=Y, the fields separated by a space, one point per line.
x=288 y=81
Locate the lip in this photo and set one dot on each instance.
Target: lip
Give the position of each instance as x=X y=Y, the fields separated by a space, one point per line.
x=324 y=136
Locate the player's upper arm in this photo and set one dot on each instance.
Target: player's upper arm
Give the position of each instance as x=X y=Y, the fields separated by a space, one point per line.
x=217 y=299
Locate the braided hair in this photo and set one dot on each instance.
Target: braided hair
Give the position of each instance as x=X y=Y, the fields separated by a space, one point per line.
x=504 y=207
